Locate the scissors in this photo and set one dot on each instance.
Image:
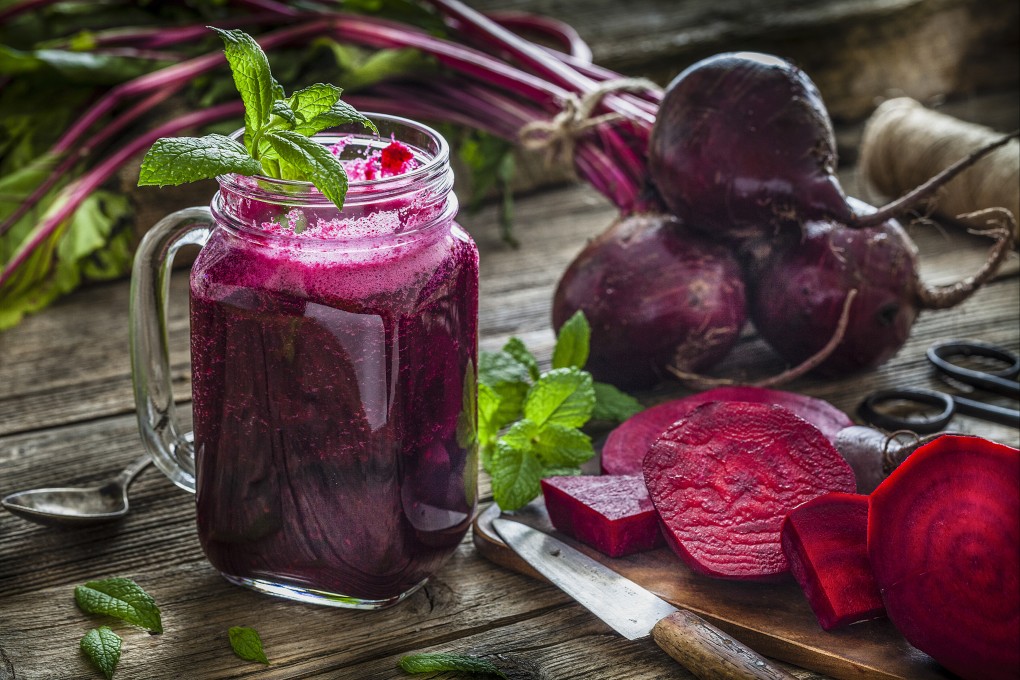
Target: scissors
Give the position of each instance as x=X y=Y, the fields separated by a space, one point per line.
x=1002 y=381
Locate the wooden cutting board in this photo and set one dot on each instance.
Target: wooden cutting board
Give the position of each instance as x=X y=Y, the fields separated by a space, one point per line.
x=772 y=619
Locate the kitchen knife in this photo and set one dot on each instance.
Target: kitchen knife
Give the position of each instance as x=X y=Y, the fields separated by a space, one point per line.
x=635 y=612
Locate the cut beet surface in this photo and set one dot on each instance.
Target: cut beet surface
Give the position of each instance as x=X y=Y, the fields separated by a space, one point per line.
x=944 y=544
x=826 y=543
x=611 y=514
x=627 y=445
x=724 y=478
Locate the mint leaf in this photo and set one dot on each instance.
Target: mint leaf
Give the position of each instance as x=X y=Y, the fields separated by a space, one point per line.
x=558 y=446
x=612 y=404
x=253 y=79
x=102 y=647
x=521 y=435
x=496 y=368
x=563 y=396
x=178 y=160
x=431 y=663
x=314 y=161
x=313 y=101
x=515 y=476
x=341 y=113
x=284 y=112
x=121 y=598
x=488 y=407
x=572 y=342
x=247 y=644
x=515 y=348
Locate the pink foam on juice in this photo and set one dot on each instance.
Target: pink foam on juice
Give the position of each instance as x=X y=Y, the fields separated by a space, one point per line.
x=329 y=373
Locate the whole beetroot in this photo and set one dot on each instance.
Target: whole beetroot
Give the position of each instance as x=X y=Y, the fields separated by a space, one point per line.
x=656 y=294
x=743 y=145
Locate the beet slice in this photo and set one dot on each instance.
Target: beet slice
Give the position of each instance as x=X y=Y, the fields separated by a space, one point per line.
x=612 y=514
x=944 y=543
x=826 y=543
x=627 y=445
x=724 y=478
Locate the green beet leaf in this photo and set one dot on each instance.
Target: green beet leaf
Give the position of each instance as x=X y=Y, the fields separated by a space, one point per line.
x=572 y=343
x=102 y=647
x=121 y=598
x=179 y=160
x=247 y=644
x=564 y=396
x=433 y=663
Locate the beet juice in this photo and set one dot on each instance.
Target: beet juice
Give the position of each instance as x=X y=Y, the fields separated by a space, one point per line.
x=333 y=363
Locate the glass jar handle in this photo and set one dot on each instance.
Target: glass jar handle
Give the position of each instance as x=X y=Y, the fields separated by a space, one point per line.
x=172 y=451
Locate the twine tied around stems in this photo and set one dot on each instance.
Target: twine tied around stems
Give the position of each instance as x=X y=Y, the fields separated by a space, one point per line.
x=559 y=136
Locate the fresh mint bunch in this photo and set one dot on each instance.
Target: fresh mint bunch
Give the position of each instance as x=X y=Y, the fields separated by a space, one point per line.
x=277 y=131
x=529 y=422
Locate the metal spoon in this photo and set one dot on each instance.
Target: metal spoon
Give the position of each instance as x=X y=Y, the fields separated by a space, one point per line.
x=77 y=506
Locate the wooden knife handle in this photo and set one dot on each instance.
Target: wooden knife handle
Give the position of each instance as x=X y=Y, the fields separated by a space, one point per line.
x=709 y=653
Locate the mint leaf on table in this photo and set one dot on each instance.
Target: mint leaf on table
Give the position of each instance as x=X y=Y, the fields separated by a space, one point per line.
x=613 y=404
x=247 y=644
x=102 y=647
x=121 y=598
x=179 y=160
x=431 y=663
x=572 y=343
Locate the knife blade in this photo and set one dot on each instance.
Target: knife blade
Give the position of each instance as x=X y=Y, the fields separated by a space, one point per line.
x=634 y=612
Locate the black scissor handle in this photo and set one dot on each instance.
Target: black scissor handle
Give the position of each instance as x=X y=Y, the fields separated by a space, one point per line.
x=1002 y=381
x=920 y=425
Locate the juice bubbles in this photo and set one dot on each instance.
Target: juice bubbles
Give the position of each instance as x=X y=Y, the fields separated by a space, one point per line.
x=334 y=381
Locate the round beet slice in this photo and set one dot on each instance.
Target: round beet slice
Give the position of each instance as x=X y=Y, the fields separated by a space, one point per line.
x=627 y=445
x=723 y=479
x=944 y=545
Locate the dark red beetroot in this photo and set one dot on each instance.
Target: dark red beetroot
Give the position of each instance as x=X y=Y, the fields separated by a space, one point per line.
x=655 y=294
x=826 y=543
x=798 y=297
x=743 y=144
x=611 y=514
x=944 y=543
x=627 y=445
x=724 y=478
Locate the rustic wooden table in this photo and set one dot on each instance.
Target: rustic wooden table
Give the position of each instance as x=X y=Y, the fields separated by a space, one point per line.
x=67 y=417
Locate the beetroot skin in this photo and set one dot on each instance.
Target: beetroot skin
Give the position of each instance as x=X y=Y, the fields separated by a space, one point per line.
x=655 y=294
x=799 y=296
x=612 y=514
x=826 y=543
x=944 y=544
x=627 y=445
x=724 y=478
x=742 y=144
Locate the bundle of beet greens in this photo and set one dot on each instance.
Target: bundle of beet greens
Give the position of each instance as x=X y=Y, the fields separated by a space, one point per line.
x=729 y=204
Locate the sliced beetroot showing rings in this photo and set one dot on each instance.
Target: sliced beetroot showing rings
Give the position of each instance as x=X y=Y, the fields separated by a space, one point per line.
x=944 y=543
x=627 y=445
x=611 y=514
x=724 y=478
x=826 y=543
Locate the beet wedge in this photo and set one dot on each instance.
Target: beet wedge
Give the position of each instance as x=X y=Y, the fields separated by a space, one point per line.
x=826 y=543
x=627 y=445
x=612 y=514
x=724 y=478
x=944 y=544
